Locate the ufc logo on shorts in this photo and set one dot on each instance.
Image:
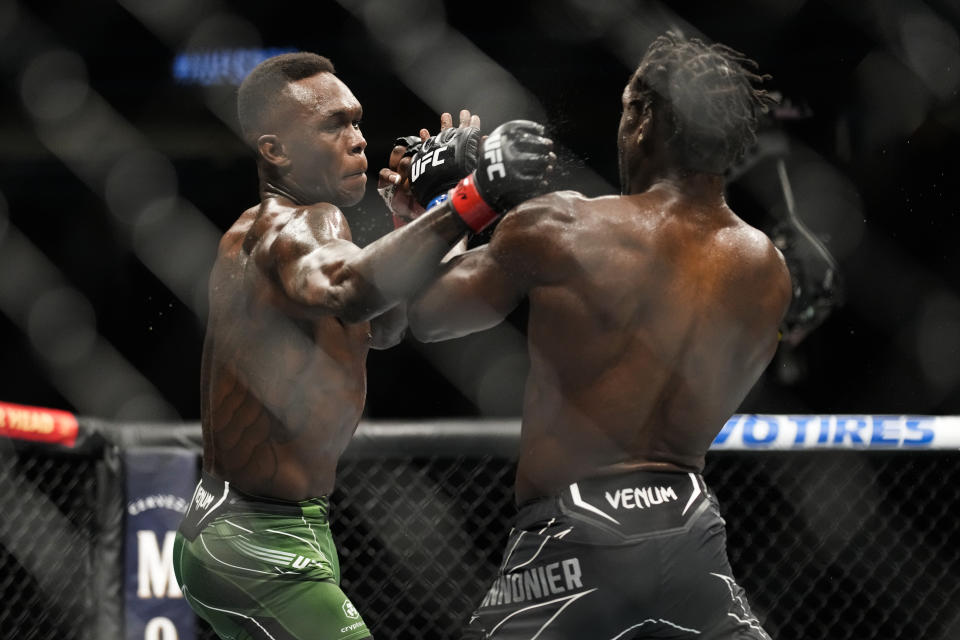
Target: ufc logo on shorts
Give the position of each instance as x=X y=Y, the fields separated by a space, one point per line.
x=492 y=153
x=429 y=158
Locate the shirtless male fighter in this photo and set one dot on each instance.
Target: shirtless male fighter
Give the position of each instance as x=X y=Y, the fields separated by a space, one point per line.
x=294 y=308
x=652 y=314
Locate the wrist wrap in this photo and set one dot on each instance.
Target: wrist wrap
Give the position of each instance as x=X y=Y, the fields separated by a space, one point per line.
x=443 y=197
x=467 y=203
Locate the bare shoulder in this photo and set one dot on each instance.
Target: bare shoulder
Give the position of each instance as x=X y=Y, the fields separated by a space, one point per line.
x=541 y=219
x=274 y=234
x=321 y=221
x=238 y=230
x=534 y=235
x=757 y=247
x=557 y=207
x=299 y=229
x=325 y=221
x=754 y=249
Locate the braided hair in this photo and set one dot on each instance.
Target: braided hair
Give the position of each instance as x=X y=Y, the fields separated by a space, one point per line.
x=706 y=98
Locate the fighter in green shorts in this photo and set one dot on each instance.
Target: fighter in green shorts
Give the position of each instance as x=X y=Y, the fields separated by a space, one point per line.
x=294 y=308
x=262 y=568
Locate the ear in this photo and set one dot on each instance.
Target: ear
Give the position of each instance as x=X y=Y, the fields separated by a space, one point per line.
x=646 y=124
x=272 y=150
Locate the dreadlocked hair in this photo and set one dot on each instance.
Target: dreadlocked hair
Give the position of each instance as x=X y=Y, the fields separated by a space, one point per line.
x=706 y=97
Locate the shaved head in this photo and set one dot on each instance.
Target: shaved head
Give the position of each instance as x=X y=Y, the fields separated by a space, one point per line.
x=265 y=91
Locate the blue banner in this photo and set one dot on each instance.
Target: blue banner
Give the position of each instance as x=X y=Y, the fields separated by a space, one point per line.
x=744 y=432
x=159 y=485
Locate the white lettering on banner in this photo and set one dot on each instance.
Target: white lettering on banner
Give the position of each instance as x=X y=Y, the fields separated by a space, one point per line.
x=746 y=431
x=640 y=498
x=160 y=629
x=166 y=501
x=760 y=431
x=155 y=577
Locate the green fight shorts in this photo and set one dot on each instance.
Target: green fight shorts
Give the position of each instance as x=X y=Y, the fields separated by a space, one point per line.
x=258 y=568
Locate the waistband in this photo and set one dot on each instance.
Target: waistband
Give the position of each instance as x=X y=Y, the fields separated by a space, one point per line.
x=628 y=504
x=214 y=497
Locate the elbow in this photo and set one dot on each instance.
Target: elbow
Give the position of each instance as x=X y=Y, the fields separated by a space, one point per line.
x=351 y=301
x=420 y=326
x=353 y=311
x=428 y=336
x=383 y=340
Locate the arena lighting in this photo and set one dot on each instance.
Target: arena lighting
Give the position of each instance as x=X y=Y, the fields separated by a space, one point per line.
x=220 y=66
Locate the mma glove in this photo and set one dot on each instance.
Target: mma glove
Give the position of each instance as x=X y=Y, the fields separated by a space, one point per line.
x=438 y=164
x=402 y=205
x=512 y=167
x=410 y=142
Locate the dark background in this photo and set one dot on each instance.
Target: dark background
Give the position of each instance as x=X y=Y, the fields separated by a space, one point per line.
x=89 y=321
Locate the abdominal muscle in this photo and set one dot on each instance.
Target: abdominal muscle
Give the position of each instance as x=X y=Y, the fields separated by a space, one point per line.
x=282 y=404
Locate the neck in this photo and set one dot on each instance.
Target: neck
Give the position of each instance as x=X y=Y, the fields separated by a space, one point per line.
x=270 y=189
x=272 y=186
x=706 y=188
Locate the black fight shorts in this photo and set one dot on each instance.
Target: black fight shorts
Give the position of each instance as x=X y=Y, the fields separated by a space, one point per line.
x=621 y=557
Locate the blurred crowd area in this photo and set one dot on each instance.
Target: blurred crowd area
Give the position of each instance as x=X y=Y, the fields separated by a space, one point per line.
x=121 y=167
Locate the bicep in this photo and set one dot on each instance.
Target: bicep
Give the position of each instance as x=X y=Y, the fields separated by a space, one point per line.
x=479 y=288
x=315 y=276
x=474 y=292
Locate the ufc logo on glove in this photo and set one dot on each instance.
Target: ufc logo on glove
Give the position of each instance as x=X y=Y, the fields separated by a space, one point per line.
x=493 y=155
x=431 y=158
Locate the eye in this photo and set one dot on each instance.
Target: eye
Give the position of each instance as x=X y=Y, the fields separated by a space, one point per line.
x=356 y=124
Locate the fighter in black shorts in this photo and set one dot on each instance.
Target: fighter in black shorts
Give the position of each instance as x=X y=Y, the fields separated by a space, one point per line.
x=652 y=314
x=633 y=555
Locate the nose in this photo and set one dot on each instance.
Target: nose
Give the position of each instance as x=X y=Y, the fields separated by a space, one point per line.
x=358 y=143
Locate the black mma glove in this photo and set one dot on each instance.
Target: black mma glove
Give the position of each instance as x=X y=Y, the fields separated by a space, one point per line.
x=513 y=165
x=392 y=193
x=410 y=142
x=440 y=161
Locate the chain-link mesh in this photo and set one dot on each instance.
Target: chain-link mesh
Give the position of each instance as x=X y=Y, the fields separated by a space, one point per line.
x=420 y=540
x=838 y=545
x=828 y=545
x=47 y=534
x=845 y=545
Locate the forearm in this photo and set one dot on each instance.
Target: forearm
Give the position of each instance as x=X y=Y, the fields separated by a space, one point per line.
x=510 y=170
x=392 y=268
x=387 y=330
x=469 y=296
x=444 y=315
x=434 y=317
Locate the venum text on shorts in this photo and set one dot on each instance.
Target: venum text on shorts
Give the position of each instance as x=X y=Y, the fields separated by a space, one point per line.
x=640 y=497
x=203 y=499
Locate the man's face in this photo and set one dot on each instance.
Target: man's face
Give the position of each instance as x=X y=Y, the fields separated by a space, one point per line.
x=628 y=146
x=322 y=139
